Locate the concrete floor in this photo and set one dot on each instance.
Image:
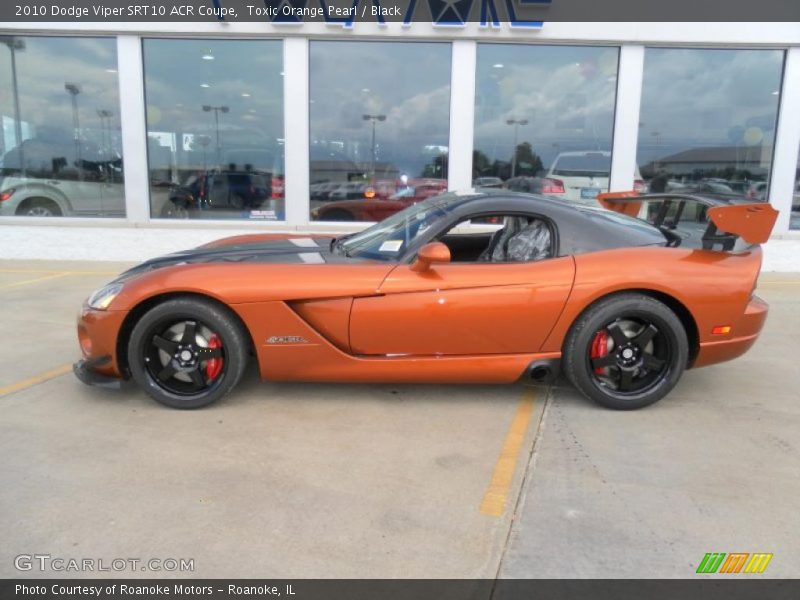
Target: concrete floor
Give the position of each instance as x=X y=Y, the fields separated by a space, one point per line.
x=300 y=480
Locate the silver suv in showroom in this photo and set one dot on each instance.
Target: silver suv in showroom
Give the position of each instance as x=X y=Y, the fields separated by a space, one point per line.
x=60 y=177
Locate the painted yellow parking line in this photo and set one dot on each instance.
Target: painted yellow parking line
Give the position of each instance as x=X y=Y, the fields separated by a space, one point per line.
x=32 y=271
x=35 y=380
x=777 y=283
x=494 y=500
x=43 y=271
x=35 y=280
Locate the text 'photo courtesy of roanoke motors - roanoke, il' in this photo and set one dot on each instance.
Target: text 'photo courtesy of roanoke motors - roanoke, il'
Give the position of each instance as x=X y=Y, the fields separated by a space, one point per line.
x=399 y=299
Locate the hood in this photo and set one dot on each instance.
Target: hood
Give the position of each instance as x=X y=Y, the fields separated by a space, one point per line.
x=264 y=248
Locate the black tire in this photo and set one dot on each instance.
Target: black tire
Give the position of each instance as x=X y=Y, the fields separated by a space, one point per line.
x=39 y=207
x=337 y=214
x=626 y=351
x=171 y=210
x=156 y=364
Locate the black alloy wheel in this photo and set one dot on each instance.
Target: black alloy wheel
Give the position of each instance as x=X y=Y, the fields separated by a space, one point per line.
x=630 y=356
x=185 y=357
x=187 y=352
x=626 y=351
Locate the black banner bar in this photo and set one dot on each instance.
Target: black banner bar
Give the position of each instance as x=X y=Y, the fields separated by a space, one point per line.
x=708 y=588
x=523 y=13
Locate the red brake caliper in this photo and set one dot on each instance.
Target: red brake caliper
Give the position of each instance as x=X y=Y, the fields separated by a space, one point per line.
x=599 y=348
x=213 y=365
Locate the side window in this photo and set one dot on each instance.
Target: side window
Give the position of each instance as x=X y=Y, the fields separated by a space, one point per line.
x=500 y=239
x=674 y=213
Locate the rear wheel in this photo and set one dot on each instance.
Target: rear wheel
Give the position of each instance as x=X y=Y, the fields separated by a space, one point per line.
x=187 y=352
x=626 y=351
x=39 y=207
x=171 y=210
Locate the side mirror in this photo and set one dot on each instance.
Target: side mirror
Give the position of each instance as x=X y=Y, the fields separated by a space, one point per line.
x=435 y=252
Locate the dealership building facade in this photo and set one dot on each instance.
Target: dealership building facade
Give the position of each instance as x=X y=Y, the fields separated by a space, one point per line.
x=299 y=126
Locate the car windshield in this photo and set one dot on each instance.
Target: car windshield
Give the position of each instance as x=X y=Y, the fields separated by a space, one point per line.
x=388 y=239
x=407 y=192
x=719 y=187
x=594 y=164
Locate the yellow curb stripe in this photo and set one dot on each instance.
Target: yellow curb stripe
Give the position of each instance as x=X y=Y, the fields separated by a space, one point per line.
x=35 y=380
x=31 y=271
x=494 y=500
x=29 y=281
x=104 y=273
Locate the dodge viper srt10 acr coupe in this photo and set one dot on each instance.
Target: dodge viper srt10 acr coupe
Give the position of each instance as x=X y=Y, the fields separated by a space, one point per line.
x=488 y=286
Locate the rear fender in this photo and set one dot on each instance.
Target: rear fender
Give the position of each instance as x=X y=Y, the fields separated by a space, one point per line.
x=715 y=287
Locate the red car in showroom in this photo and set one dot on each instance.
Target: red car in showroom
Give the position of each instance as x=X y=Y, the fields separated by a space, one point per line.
x=375 y=206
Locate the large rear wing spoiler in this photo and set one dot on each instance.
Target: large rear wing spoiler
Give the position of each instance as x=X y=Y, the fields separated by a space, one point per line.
x=726 y=221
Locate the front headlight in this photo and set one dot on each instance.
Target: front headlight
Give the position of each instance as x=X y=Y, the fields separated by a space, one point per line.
x=103 y=297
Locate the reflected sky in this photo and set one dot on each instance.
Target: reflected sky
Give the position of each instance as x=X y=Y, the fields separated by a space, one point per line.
x=44 y=66
x=703 y=98
x=794 y=220
x=243 y=76
x=408 y=83
x=566 y=94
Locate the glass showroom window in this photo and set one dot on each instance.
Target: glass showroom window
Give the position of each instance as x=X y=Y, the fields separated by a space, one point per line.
x=61 y=149
x=707 y=121
x=380 y=127
x=794 y=221
x=544 y=118
x=215 y=128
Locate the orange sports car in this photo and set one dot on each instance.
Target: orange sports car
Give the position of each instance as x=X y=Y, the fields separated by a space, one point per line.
x=488 y=286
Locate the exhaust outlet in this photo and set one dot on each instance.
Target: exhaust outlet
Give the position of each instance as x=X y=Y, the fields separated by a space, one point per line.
x=544 y=371
x=541 y=373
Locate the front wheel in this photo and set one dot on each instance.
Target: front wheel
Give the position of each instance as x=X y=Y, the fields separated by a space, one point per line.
x=171 y=210
x=626 y=352
x=39 y=207
x=187 y=352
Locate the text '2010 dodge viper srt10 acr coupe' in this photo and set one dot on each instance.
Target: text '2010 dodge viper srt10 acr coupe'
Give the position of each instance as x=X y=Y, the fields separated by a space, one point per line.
x=467 y=287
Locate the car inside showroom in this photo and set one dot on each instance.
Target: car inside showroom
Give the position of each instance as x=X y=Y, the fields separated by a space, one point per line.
x=355 y=300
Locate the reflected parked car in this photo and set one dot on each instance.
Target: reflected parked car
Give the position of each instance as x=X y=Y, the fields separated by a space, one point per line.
x=535 y=185
x=378 y=208
x=350 y=190
x=60 y=179
x=716 y=189
x=218 y=191
x=321 y=192
x=263 y=162
x=487 y=182
x=583 y=174
x=796 y=198
x=758 y=191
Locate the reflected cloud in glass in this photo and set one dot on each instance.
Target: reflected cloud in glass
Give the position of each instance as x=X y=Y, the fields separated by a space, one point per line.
x=380 y=123
x=544 y=117
x=707 y=121
x=215 y=128
x=61 y=148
